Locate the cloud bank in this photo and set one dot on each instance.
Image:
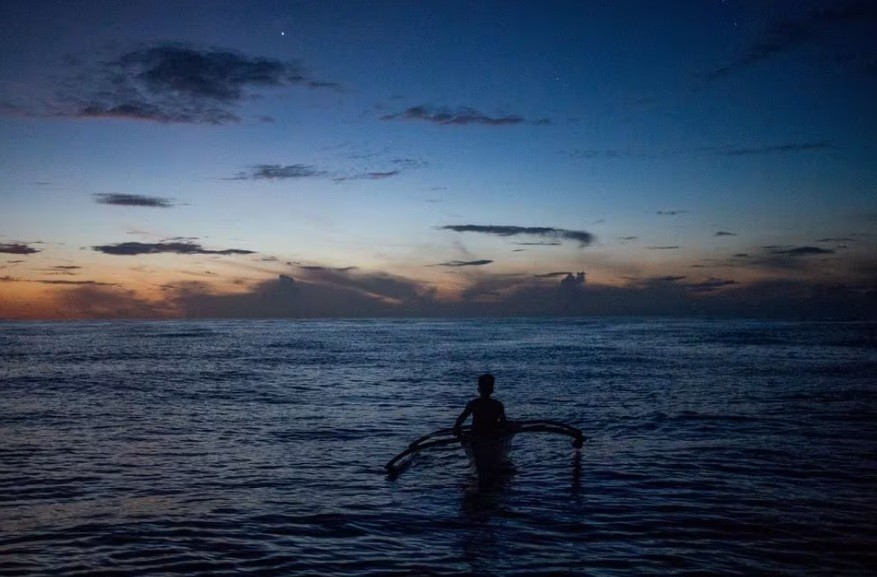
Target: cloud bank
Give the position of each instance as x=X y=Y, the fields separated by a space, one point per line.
x=325 y=292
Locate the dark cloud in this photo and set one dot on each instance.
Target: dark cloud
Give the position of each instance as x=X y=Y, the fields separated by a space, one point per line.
x=552 y=274
x=629 y=238
x=670 y=212
x=672 y=247
x=710 y=285
x=287 y=297
x=836 y=239
x=135 y=248
x=17 y=248
x=321 y=292
x=582 y=237
x=771 y=149
x=725 y=233
x=455 y=263
x=278 y=172
x=177 y=83
x=783 y=259
x=325 y=268
x=661 y=283
x=800 y=251
x=56 y=281
x=75 y=282
x=376 y=285
x=133 y=200
x=96 y=301
x=784 y=35
x=544 y=243
x=459 y=117
x=491 y=287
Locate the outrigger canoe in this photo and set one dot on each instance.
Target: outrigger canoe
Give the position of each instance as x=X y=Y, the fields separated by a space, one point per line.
x=489 y=455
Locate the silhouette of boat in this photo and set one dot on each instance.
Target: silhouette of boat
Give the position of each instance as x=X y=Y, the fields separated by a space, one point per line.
x=487 y=454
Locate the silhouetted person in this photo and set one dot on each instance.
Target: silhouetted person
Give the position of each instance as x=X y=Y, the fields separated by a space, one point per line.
x=488 y=415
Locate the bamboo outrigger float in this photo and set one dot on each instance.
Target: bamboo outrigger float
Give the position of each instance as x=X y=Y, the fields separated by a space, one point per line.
x=488 y=454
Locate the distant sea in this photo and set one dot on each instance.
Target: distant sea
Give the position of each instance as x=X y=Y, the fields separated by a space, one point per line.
x=257 y=448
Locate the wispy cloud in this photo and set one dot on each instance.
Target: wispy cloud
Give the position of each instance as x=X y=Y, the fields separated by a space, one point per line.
x=278 y=172
x=582 y=237
x=772 y=149
x=670 y=212
x=836 y=239
x=56 y=281
x=75 y=282
x=63 y=269
x=17 y=248
x=175 y=83
x=611 y=153
x=133 y=200
x=368 y=176
x=410 y=163
x=460 y=116
x=456 y=263
x=710 y=285
x=785 y=35
x=136 y=248
x=725 y=233
x=776 y=258
x=670 y=247
x=326 y=268
x=552 y=274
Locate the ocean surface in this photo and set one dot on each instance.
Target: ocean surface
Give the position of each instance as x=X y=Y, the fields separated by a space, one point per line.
x=257 y=448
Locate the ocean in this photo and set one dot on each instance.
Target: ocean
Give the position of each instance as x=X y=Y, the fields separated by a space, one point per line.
x=257 y=448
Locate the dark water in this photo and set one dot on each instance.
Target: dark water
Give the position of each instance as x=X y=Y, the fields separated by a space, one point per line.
x=179 y=448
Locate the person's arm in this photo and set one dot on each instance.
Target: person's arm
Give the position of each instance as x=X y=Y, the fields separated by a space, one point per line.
x=463 y=416
x=502 y=422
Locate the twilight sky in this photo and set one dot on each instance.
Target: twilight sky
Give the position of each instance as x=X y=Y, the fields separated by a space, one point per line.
x=314 y=158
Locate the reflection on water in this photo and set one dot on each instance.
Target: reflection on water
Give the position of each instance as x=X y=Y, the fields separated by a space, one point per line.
x=180 y=448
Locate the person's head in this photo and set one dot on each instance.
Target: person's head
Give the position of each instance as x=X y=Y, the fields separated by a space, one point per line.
x=485 y=384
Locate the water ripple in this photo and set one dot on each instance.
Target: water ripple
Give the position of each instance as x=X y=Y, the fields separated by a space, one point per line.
x=255 y=447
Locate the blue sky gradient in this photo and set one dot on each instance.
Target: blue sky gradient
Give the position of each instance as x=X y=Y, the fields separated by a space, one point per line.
x=325 y=158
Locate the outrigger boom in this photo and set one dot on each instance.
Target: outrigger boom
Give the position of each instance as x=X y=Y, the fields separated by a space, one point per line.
x=448 y=437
